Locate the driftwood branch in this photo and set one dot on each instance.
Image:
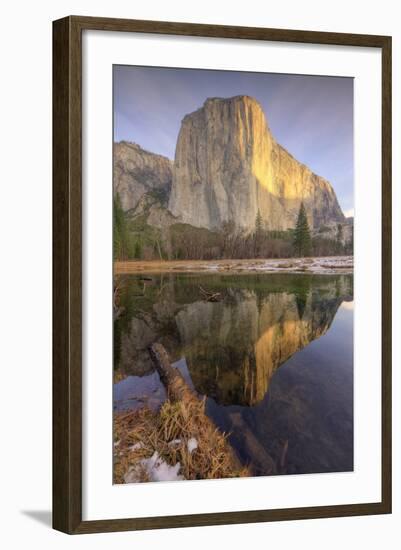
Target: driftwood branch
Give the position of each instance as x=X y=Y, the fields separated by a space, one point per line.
x=144 y=280
x=210 y=296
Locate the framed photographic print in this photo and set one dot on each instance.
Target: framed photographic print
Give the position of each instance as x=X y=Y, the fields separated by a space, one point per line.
x=222 y=274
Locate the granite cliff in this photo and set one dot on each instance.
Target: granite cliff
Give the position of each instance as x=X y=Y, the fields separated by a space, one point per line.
x=138 y=173
x=228 y=167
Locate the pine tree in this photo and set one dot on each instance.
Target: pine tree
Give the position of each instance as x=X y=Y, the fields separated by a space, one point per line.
x=302 y=236
x=340 y=236
x=120 y=233
x=138 y=250
x=258 y=222
x=258 y=234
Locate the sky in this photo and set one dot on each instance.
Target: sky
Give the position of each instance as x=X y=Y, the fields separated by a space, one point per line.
x=311 y=116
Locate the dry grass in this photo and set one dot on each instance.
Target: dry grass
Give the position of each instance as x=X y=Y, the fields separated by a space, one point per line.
x=139 y=434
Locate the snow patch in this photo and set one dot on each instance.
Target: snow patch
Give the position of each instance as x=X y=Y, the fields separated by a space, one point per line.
x=320 y=265
x=136 y=446
x=174 y=442
x=192 y=445
x=155 y=468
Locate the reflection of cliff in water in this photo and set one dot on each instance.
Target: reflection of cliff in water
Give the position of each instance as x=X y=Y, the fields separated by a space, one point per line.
x=231 y=347
x=304 y=423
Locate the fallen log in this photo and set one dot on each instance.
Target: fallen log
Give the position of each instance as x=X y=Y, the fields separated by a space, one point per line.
x=177 y=388
x=193 y=410
x=210 y=296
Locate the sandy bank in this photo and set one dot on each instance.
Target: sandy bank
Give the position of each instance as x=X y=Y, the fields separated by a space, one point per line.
x=319 y=265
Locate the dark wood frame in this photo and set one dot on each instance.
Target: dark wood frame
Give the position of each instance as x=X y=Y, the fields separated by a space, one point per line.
x=67 y=278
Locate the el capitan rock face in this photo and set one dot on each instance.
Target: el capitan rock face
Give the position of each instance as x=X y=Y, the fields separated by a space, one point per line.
x=228 y=166
x=137 y=172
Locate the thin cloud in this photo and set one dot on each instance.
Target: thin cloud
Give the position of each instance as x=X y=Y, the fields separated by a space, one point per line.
x=349 y=213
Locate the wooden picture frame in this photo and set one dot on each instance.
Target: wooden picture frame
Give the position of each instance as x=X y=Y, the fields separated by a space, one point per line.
x=67 y=273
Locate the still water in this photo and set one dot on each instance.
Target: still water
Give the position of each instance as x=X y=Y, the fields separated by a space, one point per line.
x=274 y=357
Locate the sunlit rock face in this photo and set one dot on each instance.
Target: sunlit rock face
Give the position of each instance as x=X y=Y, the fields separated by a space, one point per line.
x=228 y=166
x=138 y=172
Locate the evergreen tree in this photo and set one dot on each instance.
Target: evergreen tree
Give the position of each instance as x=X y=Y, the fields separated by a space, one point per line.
x=138 y=250
x=120 y=231
x=258 y=233
x=340 y=236
x=302 y=237
x=116 y=231
x=258 y=222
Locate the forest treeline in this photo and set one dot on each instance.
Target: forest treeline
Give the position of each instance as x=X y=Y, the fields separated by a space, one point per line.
x=134 y=239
